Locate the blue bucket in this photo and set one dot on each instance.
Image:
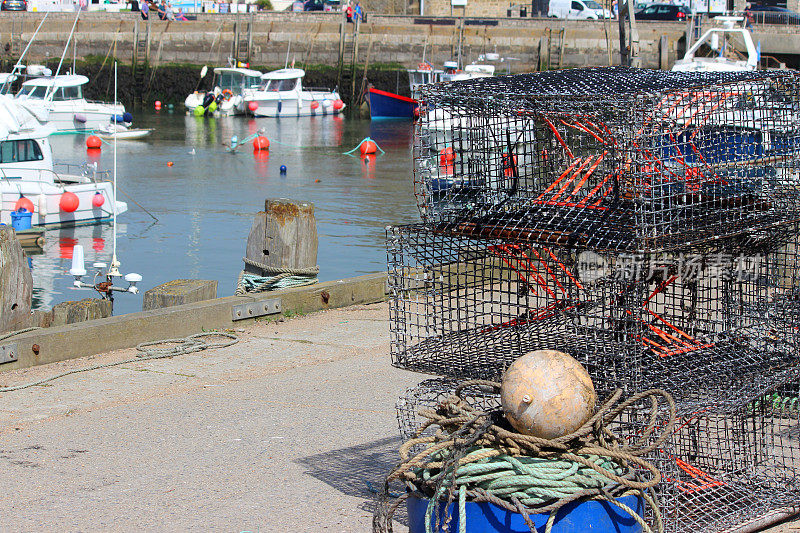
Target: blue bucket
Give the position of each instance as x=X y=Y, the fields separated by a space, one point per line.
x=21 y=220
x=593 y=515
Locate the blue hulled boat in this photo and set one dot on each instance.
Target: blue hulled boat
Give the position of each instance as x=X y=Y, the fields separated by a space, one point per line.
x=383 y=104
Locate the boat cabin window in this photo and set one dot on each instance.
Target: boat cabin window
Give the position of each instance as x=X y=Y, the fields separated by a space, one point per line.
x=33 y=91
x=67 y=93
x=20 y=151
x=281 y=85
x=235 y=82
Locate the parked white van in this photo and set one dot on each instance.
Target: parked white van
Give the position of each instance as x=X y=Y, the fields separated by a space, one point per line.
x=577 y=9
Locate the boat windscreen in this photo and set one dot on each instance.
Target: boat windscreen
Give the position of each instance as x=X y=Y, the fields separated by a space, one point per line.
x=33 y=91
x=281 y=85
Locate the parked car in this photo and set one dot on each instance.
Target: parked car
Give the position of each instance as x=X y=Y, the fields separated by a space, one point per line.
x=663 y=12
x=773 y=15
x=333 y=5
x=14 y=5
x=577 y=9
x=314 y=5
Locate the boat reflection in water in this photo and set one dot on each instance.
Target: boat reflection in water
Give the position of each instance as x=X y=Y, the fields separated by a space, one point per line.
x=56 y=260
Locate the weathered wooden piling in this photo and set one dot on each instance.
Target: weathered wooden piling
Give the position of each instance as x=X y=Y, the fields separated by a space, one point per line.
x=79 y=311
x=16 y=283
x=179 y=292
x=283 y=236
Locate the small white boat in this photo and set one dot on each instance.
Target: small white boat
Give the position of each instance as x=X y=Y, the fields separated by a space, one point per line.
x=59 y=102
x=228 y=83
x=122 y=133
x=281 y=94
x=727 y=38
x=424 y=74
x=59 y=194
x=471 y=71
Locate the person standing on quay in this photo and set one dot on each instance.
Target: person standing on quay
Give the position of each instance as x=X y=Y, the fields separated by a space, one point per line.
x=348 y=11
x=144 y=10
x=358 y=12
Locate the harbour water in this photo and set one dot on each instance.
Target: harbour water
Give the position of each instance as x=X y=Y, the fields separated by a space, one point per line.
x=206 y=199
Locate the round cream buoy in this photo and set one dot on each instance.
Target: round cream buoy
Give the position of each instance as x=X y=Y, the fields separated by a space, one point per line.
x=547 y=394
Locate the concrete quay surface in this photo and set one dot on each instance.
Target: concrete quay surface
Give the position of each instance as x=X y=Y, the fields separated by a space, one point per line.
x=279 y=432
x=286 y=430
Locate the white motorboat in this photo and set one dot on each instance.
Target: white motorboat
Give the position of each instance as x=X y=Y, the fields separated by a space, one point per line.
x=725 y=43
x=424 y=74
x=228 y=83
x=471 y=71
x=281 y=94
x=59 y=102
x=56 y=194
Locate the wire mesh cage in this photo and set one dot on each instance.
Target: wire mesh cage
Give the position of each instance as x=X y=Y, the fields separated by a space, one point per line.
x=719 y=466
x=710 y=329
x=722 y=466
x=611 y=158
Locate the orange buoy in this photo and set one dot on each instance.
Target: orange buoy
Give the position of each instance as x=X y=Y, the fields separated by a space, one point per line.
x=447 y=156
x=368 y=147
x=158 y=105
x=260 y=143
x=252 y=106
x=98 y=200
x=338 y=104
x=24 y=203
x=170 y=163
x=509 y=165
x=69 y=202
x=93 y=142
x=314 y=105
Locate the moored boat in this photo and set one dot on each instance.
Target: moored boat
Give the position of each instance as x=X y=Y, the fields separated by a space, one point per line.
x=724 y=56
x=281 y=94
x=386 y=105
x=228 y=85
x=55 y=194
x=59 y=102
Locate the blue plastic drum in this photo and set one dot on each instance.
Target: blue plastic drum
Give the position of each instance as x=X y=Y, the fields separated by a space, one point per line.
x=596 y=516
x=21 y=220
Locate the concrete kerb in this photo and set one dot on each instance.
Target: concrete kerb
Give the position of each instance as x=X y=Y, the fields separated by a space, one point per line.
x=126 y=331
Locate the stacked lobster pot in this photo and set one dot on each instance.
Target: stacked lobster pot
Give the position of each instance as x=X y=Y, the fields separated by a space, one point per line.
x=645 y=222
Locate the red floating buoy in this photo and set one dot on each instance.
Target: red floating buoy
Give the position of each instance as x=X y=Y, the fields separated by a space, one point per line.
x=98 y=200
x=368 y=147
x=69 y=202
x=509 y=165
x=158 y=105
x=252 y=106
x=260 y=143
x=447 y=156
x=338 y=104
x=170 y=163
x=314 y=104
x=93 y=142
x=24 y=203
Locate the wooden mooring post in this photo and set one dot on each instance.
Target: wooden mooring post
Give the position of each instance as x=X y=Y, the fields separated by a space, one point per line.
x=16 y=283
x=283 y=236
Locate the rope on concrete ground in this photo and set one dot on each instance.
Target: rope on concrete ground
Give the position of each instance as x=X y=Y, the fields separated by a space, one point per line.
x=5 y=336
x=281 y=278
x=476 y=455
x=150 y=351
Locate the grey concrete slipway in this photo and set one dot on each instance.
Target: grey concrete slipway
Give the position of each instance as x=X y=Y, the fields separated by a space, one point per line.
x=280 y=432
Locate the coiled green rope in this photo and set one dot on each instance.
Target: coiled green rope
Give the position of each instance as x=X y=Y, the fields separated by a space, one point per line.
x=476 y=455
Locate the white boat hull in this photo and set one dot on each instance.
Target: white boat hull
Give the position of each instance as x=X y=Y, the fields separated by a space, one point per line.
x=46 y=198
x=273 y=106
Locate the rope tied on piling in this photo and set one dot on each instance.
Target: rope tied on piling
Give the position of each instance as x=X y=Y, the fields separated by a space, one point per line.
x=274 y=278
x=475 y=455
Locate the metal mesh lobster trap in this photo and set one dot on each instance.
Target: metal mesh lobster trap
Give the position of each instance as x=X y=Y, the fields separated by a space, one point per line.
x=720 y=465
x=710 y=328
x=611 y=158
